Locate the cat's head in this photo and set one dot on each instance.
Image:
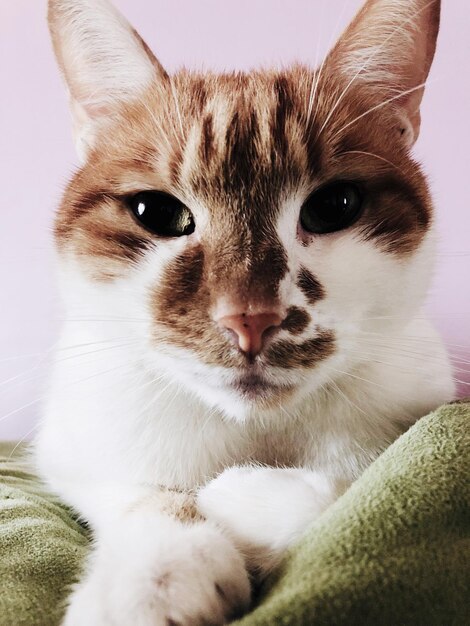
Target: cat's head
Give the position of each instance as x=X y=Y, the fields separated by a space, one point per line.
x=256 y=230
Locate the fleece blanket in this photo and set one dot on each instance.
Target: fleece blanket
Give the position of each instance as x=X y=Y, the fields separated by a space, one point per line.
x=393 y=550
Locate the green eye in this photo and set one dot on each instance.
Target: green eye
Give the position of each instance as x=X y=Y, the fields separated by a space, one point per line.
x=162 y=214
x=331 y=208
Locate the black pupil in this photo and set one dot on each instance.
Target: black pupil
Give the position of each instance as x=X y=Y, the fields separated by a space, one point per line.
x=162 y=214
x=331 y=208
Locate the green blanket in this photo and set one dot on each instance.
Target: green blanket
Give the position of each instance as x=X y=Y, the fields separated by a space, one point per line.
x=393 y=550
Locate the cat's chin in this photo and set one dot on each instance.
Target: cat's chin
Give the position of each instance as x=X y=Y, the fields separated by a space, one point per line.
x=256 y=389
x=250 y=398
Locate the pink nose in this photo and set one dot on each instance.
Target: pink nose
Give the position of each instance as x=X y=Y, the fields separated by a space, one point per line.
x=250 y=331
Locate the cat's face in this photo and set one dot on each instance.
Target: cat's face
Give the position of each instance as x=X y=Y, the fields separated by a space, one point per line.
x=256 y=231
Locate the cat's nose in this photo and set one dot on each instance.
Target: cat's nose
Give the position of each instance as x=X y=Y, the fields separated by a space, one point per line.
x=251 y=331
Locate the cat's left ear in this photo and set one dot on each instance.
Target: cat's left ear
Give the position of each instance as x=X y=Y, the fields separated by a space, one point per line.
x=388 y=49
x=104 y=61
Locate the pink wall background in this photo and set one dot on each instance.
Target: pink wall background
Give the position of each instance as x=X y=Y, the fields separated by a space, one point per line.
x=37 y=156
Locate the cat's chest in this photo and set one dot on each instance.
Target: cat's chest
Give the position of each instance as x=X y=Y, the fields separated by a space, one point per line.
x=194 y=457
x=287 y=446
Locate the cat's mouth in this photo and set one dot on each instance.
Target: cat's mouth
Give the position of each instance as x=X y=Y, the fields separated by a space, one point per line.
x=238 y=391
x=255 y=387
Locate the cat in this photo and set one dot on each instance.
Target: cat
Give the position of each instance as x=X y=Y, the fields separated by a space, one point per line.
x=243 y=259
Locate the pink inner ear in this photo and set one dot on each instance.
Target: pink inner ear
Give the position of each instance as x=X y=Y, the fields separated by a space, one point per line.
x=103 y=60
x=96 y=110
x=85 y=112
x=388 y=50
x=387 y=40
x=86 y=123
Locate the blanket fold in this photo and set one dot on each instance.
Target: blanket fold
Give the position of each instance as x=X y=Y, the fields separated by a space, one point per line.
x=41 y=546
x=393 y=550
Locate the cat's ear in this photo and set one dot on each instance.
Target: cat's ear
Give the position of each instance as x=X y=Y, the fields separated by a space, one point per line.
x=104 y=61
x=389 y=48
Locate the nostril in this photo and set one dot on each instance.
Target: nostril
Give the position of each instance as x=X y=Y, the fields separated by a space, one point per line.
x=251 y=331
x=269 y=332
x=231 y=334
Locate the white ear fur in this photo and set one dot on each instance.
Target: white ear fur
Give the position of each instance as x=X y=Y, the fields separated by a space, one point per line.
x=103 y=60
x=390 y=47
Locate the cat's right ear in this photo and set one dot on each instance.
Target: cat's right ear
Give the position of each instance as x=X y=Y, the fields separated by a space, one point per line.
x=387 y=51
x=104 y=62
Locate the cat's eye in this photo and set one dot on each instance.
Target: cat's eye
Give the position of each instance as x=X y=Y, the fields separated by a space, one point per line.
x=162 y=214
x=331 y=208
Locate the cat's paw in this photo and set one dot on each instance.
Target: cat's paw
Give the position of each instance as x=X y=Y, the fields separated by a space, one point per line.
x=265 y=509
x=189 y=577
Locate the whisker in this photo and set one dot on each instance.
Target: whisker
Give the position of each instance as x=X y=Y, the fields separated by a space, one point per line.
x=415 y=338
x=381 y=105
x=21 y=408
x=70 y=384
x=373 y=357
x=91 y=343
x=178 y=110
x=42 y=360
x=456 y=363
x=453 y=254
x=348 y=400
x=17 y=377
x=210 y=414
x=412 y=345
x=19 y=357
x=317 y=75
x=22 y=440
x=406 y=318
x=98 y=318
x=350 y=374
x=99 y=350
x=316 y=72
x=376 y=156
x=22 y=378
x=157 y=124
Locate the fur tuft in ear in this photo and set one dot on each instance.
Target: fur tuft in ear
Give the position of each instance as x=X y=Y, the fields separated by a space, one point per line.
x=389 y=48
x=104 y=61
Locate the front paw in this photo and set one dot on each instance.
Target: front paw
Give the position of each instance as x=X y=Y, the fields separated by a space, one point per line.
x=189 y=577
x=265 y=509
